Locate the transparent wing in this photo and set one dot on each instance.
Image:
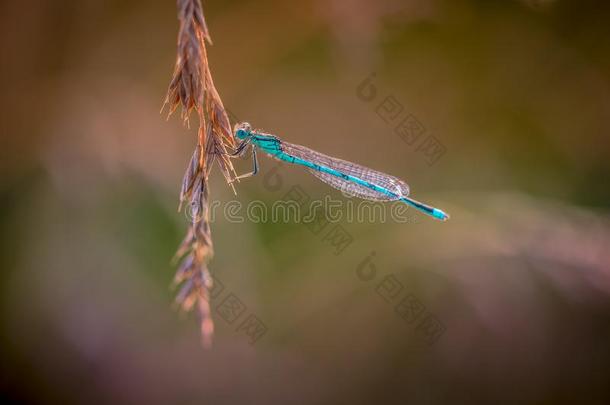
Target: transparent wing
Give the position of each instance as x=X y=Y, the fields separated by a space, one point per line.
x=391 y=183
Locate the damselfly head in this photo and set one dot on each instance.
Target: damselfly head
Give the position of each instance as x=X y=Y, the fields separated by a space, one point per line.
x=242 y=131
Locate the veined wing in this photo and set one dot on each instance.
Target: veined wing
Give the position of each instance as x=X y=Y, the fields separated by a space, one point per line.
x=393 y=184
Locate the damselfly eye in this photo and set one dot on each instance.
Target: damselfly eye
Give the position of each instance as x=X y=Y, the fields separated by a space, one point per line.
x=242 y=130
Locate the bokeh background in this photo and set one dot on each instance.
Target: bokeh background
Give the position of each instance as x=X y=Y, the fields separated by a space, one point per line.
x=516 y=285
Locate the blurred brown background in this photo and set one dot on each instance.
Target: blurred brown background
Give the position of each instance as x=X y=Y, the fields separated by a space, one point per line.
x=512 y=296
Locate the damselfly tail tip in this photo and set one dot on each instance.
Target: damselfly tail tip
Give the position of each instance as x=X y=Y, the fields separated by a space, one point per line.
x=438 y=214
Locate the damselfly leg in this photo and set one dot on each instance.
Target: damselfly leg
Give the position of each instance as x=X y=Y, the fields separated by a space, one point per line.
x=241 y=149
x=254 y=169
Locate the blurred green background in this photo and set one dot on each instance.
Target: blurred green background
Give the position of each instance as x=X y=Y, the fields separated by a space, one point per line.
x=517 y=282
